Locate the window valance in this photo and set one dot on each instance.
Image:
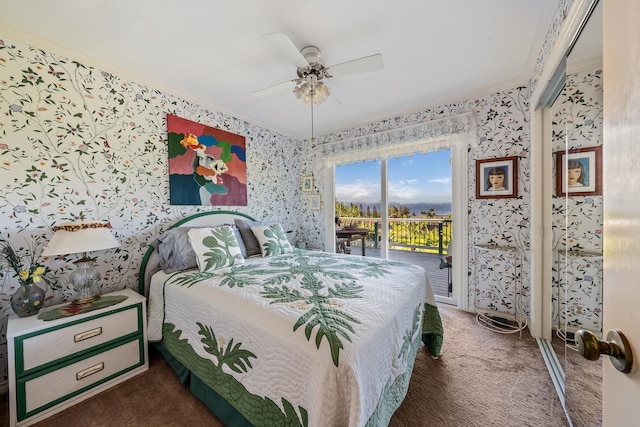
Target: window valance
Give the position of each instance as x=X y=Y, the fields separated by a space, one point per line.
x=421 y=137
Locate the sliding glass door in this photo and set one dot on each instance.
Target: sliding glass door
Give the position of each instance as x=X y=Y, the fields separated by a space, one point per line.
x=358 y=206
x=405 y=204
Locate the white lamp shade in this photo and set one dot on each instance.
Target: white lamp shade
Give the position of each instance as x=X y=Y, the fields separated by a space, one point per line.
x=77 y=237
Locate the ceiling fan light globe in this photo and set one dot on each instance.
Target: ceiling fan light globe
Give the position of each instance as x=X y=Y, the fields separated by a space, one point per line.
x=307 y=92
x=321 y=93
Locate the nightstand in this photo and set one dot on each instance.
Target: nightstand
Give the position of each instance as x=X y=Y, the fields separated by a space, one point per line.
x=56 y=364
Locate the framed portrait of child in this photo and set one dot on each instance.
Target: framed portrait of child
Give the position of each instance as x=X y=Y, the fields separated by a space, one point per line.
x=497 y=178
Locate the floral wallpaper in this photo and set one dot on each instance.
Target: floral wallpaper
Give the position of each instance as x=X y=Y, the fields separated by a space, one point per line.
x=577 y=286
x=80 y=143
x=577 y=292
x=498 y=284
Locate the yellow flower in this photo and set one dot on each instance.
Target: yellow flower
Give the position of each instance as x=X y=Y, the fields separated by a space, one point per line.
x=39 y=271
x=36 y=278
x=24 y=274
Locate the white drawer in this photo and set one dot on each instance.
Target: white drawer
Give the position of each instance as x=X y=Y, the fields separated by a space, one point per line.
x=47 y=346
x=35 y=394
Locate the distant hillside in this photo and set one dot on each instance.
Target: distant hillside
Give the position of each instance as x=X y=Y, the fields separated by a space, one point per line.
x=417 y=208
x=440 y=208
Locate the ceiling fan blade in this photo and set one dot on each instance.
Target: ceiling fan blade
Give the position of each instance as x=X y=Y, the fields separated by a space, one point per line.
x=267 y=91
x=360 y=65
x=285 y=46
x=335 y=99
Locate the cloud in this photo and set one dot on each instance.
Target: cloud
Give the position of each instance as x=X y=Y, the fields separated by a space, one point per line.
x=359 y=192
x=404 y=192
x=441 y=180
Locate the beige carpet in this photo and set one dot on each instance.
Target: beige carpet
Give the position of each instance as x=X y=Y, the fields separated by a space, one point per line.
x=583 y=384
x=481 y=379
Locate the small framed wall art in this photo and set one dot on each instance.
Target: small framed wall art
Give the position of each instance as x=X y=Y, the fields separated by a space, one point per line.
x=579 y=172
x=314 y=201
x=307 y=183
x=497 y=178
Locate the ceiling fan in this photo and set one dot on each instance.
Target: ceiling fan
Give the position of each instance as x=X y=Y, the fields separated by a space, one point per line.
x=311 y=71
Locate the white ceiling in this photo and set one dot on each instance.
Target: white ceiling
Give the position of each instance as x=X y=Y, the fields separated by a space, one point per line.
x=214 y=53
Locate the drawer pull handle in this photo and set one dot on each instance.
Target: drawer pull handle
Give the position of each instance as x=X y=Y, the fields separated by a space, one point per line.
x=87 y=334
x=90 y=371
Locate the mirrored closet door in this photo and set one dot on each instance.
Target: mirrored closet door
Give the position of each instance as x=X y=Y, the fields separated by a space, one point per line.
x=580 y=194
x=573 y=211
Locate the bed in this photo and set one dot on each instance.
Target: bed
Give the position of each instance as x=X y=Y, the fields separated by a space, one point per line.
x=288 y=336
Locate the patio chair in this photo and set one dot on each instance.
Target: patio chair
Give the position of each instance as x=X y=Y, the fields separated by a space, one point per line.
x=446 y=263
x=343 y=245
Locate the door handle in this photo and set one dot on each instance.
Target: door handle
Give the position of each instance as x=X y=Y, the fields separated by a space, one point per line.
x=617 y=347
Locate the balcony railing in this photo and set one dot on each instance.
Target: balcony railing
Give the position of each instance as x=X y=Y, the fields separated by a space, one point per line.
x=420 y=234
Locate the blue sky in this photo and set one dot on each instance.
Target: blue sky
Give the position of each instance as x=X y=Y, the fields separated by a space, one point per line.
x=421 y=178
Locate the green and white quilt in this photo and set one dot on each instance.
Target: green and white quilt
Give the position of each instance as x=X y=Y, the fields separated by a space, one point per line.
x=303 y=338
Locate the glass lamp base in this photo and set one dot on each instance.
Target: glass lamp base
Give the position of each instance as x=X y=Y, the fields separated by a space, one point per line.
x=85 y=280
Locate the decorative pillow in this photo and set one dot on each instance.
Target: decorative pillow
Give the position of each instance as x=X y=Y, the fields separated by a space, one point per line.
x=175 y=251
x=236 y=232
x=272 y=239
x=215 y=247
x=250 y=241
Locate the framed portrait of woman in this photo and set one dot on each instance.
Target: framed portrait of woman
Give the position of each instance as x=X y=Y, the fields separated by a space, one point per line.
x=497 y=178
x=579 y=172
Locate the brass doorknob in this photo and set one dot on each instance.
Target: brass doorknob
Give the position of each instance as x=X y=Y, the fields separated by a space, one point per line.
x=616 y=347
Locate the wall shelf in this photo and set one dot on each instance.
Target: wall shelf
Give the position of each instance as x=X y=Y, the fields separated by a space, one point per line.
x=498 y=288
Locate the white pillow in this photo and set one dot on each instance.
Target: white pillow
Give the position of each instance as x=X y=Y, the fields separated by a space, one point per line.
x=215 y=247
x=272 y=239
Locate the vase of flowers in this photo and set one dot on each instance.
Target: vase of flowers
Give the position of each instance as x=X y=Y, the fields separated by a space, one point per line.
x=28 y=299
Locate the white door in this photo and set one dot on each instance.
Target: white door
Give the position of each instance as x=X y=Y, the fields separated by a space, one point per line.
x=621 y=393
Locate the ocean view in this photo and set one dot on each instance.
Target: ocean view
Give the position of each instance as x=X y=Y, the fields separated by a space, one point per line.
x=440 y=209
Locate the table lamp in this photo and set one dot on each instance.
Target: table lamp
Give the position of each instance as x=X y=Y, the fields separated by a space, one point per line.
x=82 y=237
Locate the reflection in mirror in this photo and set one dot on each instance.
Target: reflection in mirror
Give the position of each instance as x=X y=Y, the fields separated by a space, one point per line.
x=571 y=267
x=579 y=254
x=577 y=243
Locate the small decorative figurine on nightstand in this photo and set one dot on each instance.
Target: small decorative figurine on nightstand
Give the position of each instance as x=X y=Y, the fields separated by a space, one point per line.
x=29 y=298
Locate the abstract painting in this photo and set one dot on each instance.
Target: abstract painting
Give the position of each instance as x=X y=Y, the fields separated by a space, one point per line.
x=207 y=166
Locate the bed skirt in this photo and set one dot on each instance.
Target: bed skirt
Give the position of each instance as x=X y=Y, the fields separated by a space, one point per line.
x=226 y=413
